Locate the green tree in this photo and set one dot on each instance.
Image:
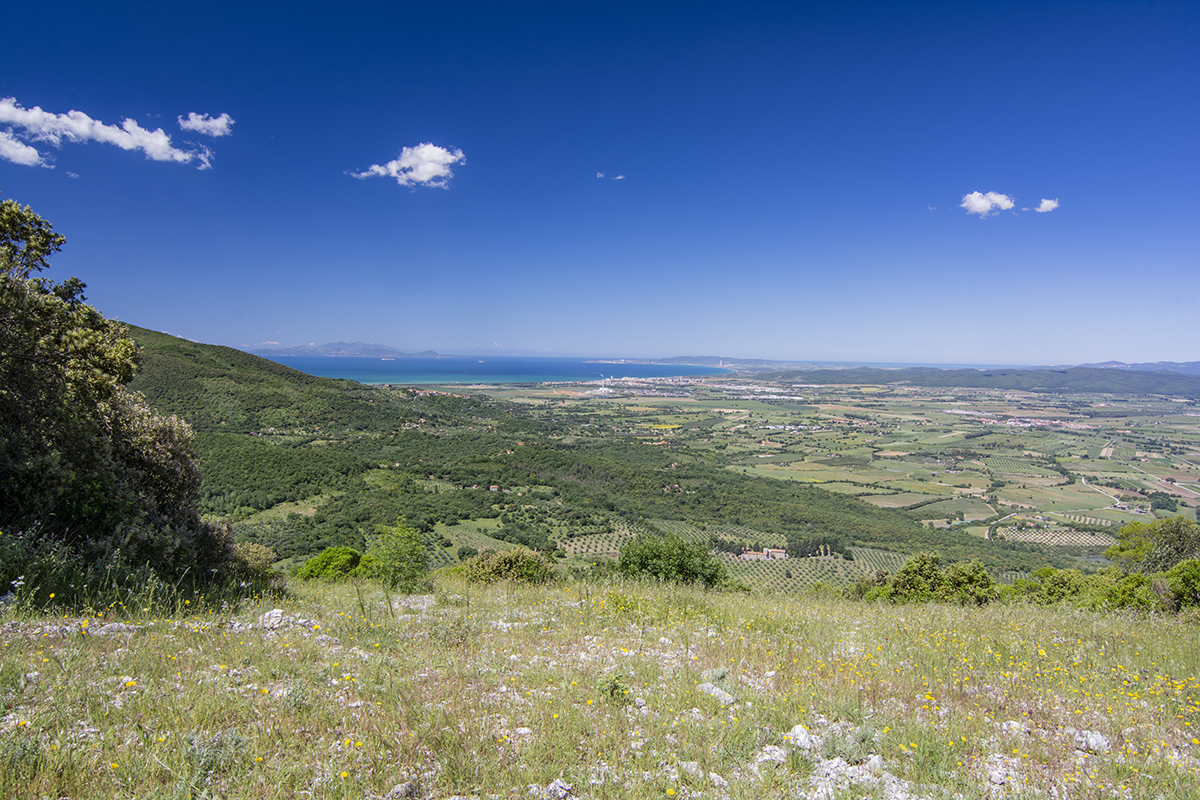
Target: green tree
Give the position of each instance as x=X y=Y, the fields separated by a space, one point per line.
x=968 y=583
x=401 y=560
x=920 y=580
x=83 y=461
x=1157 y=546
x=669 y=558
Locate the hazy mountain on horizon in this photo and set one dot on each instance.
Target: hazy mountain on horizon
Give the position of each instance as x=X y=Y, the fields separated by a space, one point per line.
x=1184 y=367
x=336 y=349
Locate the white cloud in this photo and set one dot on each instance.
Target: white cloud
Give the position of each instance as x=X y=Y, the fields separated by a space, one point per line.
x=203 y=123
x=1047 y=205
x=426 y=164
x=986 y=204
x=619 y=178
x=599 y=174
x=34 y=124
x=19 y=152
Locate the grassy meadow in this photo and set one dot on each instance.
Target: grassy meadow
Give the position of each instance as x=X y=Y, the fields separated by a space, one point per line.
x=619 y=690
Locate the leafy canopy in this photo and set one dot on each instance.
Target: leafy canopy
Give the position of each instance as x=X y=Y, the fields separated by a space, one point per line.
x=83 y=461
x=670 y=559
x=1157 y=546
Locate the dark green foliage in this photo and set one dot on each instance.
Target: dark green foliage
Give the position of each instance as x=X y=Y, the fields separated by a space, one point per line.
x=243 y=474
x=802 y=546
x=332 y=564
x=920 y=580
x=1184 y=582
x=519 y=565
x=84 y=463
x=1161 y=501
x=1103 y=591
x=670 y=559
x=968 y=583
x=1157 y=546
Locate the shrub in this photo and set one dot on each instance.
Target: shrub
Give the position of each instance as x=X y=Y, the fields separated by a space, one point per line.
x=1184 y=581
x=398 y=557
x=670 y=559
x=332 y=564
x=251 y=567
x=520 y=565
x=920 y=580
x=968 y=583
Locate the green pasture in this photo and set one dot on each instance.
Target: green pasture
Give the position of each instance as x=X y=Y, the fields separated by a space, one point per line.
x=896 y=500
x=970 y=507
x=927 y=487
x=1062 y=497
x=306 y=508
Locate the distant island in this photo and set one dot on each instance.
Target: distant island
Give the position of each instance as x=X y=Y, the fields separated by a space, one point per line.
x=360 y=349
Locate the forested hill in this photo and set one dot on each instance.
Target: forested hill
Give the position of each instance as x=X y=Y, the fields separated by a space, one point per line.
x=1074 y=379
x=219 y=388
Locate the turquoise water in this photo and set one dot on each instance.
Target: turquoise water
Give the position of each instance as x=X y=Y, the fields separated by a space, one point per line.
x=502 y=369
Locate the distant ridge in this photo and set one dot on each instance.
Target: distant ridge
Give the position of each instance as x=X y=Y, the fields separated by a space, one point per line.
x=337 y=349
x=1073 y=379
x=1184 y=367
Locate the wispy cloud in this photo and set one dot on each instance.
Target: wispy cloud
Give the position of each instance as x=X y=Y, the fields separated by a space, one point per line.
x=1047 y=205
x=35 y=125
x=619 y=178
x=986 y=204
x=203 y=123
x=599 y=174
x=426 y=164
x=19 y=152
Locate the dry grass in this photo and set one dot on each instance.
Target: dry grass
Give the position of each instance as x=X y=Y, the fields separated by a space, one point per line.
x=488 y=692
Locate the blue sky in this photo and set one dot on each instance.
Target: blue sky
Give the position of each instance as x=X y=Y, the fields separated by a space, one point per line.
x=811 y=181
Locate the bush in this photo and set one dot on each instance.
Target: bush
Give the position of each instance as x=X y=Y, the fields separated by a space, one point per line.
x=331 y=564
x=920 y=580
x=1184 y=582
x=968 y=583
x=519 y=566
x=251 y=567
x=397 y=558
x=670 y=559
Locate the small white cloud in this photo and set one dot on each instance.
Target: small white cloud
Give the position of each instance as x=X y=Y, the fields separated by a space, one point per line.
x=1047 y=205
x=931 y=208
x=426 y=164
x=203 y=123
x=71 y=174
x=34 y=124
x=19 y=152
x=619 y=178
x=599 y=174
x=986 y=204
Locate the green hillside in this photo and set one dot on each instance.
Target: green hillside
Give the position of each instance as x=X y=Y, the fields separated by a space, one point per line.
x=333 y=459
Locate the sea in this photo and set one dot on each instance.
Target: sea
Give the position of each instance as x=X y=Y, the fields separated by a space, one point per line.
x=482 y=370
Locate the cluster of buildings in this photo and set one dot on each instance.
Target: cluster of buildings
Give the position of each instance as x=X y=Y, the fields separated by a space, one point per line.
x=766 y=554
